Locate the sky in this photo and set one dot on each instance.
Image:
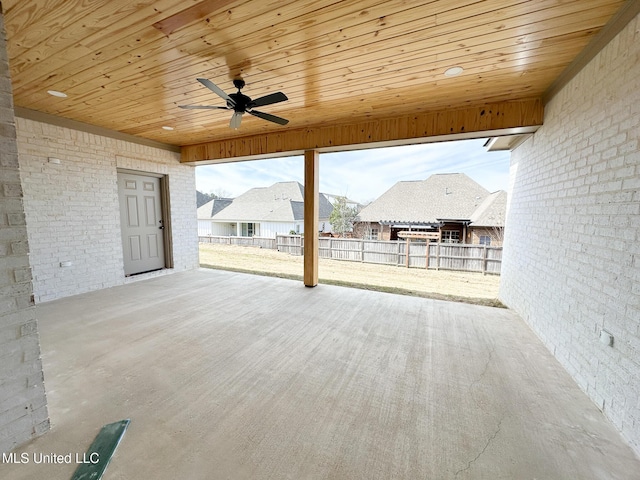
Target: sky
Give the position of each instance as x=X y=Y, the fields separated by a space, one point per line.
x=363 y=175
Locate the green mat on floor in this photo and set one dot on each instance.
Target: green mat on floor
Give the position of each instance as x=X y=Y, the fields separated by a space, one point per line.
x=98 y=456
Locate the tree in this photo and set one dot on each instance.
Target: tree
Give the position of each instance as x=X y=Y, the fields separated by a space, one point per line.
x=203 y=198
x=342 y=216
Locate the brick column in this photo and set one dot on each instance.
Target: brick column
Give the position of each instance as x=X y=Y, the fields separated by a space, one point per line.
x=23 y=405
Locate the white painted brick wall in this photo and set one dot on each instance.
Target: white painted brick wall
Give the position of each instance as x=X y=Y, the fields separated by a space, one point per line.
x=23 y=405
x=72 y=207
x=571 y=264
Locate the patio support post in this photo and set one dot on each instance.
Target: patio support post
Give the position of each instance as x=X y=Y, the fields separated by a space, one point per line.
x=311 y=195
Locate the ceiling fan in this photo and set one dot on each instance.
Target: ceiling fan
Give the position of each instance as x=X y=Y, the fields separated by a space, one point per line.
x=241 y=104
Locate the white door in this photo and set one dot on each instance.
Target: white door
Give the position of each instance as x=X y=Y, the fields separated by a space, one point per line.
x=141 y=223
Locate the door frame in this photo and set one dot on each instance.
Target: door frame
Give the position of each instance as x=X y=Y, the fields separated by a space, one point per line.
x=165 y=209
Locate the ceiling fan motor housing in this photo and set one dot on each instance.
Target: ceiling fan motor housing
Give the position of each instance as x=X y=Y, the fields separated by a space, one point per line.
x=242 y=102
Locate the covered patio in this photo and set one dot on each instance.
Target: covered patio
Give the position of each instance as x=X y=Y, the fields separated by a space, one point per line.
x=264 y=378
x=228 y=375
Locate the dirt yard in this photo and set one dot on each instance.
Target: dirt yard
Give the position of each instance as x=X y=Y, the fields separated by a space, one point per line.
x=446 y=285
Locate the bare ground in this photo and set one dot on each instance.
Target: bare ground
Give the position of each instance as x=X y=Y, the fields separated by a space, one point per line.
x=445 y=285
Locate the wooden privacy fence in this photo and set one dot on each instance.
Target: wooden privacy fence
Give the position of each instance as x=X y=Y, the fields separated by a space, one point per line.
x=262 y=242
x=436 y=256
x=291 y=244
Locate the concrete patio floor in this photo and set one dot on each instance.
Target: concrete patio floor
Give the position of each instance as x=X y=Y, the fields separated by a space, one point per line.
x=232 y=376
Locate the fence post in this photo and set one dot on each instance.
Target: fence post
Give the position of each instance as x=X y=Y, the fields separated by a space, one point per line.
x=362 y=250
x=484 y=260
x=427 y=253
x=406 y=260
x=438 y=256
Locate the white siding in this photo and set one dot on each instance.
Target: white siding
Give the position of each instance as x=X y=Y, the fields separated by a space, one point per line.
x=324 y=226
x=571 y=265
x=271 y=229
x=223 y=228
x=204 y=227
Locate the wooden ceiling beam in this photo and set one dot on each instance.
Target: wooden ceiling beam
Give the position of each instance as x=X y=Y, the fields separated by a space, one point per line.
x=484 y=120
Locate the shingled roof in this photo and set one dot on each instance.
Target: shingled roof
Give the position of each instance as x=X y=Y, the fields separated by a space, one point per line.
x=281 y=202
x=212 y=207
x=447 y=196
x=491 y=211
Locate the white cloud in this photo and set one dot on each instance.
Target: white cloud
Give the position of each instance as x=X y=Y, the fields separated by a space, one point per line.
x=364 y=175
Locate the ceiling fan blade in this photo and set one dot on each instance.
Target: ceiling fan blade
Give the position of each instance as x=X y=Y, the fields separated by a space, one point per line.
x=207 y=107
x=269 y=99
x=269 y=117
x=235 y=120
x=217 y=90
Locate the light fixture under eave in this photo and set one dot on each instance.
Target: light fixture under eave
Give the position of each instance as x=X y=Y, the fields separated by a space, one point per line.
x=166 y=127
x=453 y=71
x=56 y=93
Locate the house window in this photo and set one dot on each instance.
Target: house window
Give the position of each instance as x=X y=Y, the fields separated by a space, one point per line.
x=370 y=234
x=450 y=236
x=485 y=240
x=248 y=229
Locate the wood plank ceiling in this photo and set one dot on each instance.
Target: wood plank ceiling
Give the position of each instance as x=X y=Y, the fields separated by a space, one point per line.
x=127 y=65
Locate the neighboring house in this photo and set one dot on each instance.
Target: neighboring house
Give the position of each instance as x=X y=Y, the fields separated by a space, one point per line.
x=261 y=212
x=350 y=203
x=487 y=222
x=452 y=205
x=207 y=211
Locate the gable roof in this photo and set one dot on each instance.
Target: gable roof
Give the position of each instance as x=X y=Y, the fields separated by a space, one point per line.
x=281 y=202
x=209 y=209
x=333 y=198
x=450 y=196
x=491 y=211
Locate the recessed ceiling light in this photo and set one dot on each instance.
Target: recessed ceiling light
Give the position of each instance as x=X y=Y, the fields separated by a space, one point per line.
x=55 y=93
x=453 y=71
x=167 y=128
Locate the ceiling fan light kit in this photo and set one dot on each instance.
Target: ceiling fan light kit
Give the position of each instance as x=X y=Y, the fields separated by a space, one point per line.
x=241 y=104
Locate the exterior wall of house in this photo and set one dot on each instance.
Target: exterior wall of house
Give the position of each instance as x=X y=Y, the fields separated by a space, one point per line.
x=364 y=229
x=571 y=265
x=452 y=233
x=209 y=227
x=222 y=228
x=23 y=403
x=323 y=226
x=205 y=227
x=474 y=234
x=384 y=232
x=264 y=229
x=271 y=229
x=73 y=212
